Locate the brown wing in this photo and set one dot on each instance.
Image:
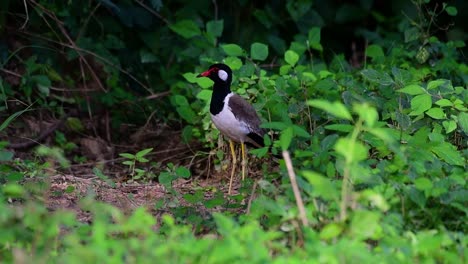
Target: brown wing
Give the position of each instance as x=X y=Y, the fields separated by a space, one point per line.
x=245 y=112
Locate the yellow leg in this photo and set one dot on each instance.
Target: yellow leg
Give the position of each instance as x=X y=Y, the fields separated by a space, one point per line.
x=244 y=162
x=234 y=162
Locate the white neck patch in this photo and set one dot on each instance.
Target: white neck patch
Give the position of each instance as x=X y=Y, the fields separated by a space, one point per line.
x=222 y=75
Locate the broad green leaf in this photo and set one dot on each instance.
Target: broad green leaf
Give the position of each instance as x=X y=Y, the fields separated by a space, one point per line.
x=449 y=126
x=383 y=133
x=6 y=155
x=147 y=56
x=337 y=109
x=190 y=77
x=232 y=50
x=451 y=10
x=366 y=225
x=367 y=113
x=286 y=138
x=423 y=184
x=420 y=104
x=205 y=95
x=353 y=151
x=330 y=231
x=258 y=51
x=462 y=121
x=215 y=27
x=187 y=113
x=411 y=34
x=436 y=83
x=449 y=154
x=275 y=125
x=300 y=131
x=204 y=82
x=291 y=57
x=186 y=28
x=377 y=77
x=340 y=127
x=233 y=62
x=374 y=51
x=444 y=103
x=314 y=39
x=183 y=172
x=412 y=89
x=403 y=120
x=323 y=187
x=436 y=113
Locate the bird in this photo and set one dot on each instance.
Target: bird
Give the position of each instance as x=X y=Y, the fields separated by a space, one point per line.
x=232 y=115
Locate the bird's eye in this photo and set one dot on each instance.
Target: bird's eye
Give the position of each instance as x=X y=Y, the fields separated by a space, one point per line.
x=222 y=75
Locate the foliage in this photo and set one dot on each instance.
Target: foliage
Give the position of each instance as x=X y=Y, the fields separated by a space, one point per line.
x=378 y=143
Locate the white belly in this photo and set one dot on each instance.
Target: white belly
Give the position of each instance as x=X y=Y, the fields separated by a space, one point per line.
x=227 y=123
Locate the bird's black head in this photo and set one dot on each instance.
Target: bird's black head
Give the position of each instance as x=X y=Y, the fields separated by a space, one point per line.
x=218 y=73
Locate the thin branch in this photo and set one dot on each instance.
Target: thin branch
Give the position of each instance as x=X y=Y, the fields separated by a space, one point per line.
x=297 y=194
x=27 y=15
x=149 y=9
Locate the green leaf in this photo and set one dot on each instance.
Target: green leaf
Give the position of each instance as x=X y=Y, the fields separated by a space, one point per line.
x=6 y=155
x=323 y=187
x=352 y=151
x=412 y=89
x=330 y=231
x=449 y=126
x=340 y=127
x=300 y=131
x=143 y=152
x=367 y=113
x=366 y=224
x=337 y=109
x=377 y=77
x=462 y=121
x=205 y=95
x=436 y=83
x=275 y=125
x=215 y=27
x=232 y=50
x=423 y=184
x=291 y=57
x=127 y=155
x=147 y=57
x=13 y=117
x=234 y=62
x=286 y=138
x=183 y=172
x=451 y=10
x=449 y=154
x=186 y=28
x=374 y=51
x=420 y=104
x=444 y=103
x=436 y=113
x=314 y=39
x=258 y=51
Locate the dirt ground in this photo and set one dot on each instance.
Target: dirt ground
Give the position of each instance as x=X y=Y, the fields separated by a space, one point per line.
x=112 y=182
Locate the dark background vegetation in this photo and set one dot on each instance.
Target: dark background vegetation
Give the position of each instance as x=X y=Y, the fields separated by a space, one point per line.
x=381 y=156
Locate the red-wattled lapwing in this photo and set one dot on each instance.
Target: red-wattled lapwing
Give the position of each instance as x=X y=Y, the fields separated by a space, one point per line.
x=232 y=115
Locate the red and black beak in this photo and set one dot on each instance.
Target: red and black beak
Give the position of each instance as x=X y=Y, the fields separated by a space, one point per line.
x=206 y=73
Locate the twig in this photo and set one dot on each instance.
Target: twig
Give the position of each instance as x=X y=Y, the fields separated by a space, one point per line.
x=252 y=194
x=153 y=12
x=27 y=15
x=297 y=195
